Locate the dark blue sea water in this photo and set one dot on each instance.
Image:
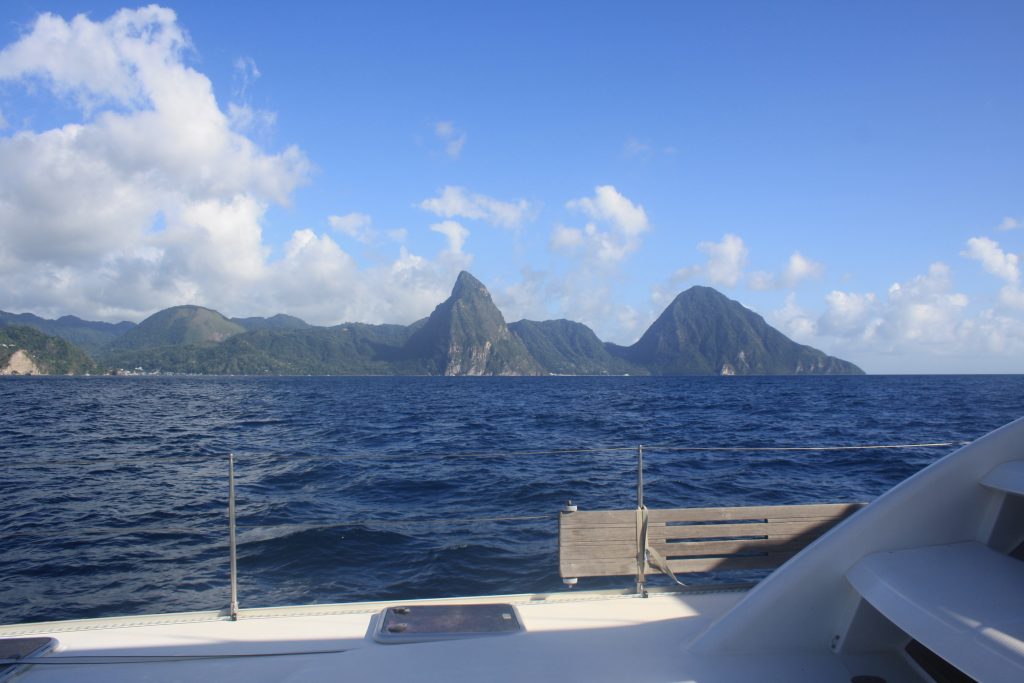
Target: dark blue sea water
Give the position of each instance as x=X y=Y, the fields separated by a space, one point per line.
x=114 y=489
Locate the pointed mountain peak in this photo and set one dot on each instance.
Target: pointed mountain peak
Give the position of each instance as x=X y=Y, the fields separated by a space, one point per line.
x=467 y=284
x=467 y=335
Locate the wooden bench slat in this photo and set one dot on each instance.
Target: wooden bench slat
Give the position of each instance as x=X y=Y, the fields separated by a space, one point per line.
x=769 y=529
x=577 y=568
x=600 y=551
x=757 y=512
x=698 y=548
x=591 y=518
x=598 y=535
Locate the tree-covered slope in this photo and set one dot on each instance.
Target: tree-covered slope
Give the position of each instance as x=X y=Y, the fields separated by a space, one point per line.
x=564 y=347
x=180 y=325
x=25 y=350
x=703 y=332
x=87 y=335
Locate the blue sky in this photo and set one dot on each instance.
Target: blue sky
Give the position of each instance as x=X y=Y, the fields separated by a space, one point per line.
x=851 y=171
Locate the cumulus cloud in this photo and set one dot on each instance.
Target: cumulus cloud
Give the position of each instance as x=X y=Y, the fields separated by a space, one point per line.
x=1004 y=265
x=457 y=202
x=614 y=231
x=798 y=269
x=993 y=259
x=611 y=206
x=358 y=226
x=157 y=197
x=908 y=327
x=581 y=294
x=922 y=313
x=452 y=138
x=455 y=233
x=794 y=320
x=725 y=263
x=584 y=290
x=1009 y=223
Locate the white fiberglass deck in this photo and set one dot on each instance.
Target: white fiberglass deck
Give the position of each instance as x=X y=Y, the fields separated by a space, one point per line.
x=569 y=637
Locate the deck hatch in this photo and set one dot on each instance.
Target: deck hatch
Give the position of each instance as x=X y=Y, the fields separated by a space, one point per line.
x=421 y=623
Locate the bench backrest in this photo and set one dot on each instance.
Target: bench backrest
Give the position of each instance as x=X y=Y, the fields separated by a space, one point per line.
x=607 y=542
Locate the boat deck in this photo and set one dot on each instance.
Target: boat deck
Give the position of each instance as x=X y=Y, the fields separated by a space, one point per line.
x=591 y=636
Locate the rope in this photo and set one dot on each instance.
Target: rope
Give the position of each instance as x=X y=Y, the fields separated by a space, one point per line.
x=201 y=459
x=769 y=449
x=76 y=660
x=304 y=526
x=400 y=522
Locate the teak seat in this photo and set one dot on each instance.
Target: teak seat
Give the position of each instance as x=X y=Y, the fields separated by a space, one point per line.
x=619 y=543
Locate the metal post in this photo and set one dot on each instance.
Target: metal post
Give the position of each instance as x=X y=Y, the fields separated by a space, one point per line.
x=640 y=476
x=233 y=607
x=641 y=540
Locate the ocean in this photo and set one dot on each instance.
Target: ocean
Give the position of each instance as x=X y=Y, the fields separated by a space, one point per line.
x=365 y=488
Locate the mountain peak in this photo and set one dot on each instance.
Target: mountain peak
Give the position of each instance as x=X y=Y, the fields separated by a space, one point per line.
x=467 y=335
x=467 y=284
x=705 y=332
x=187 y=324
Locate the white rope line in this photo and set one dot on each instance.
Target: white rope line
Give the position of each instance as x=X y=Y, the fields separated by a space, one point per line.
x=298 y=526
x=200 y=459
x=769 y=449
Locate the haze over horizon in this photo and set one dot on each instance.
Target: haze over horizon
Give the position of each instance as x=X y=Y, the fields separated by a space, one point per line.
x=851 y=173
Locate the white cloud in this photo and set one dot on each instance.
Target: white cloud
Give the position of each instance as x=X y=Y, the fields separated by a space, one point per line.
x=563 y=238
x=614 y=232
x=355 y=225
x=246 y=73
x=993 y=259
x=794 y=320
x=1009 y=223
x=609 y=205
x=3 y=121
x=922 y=312
x=157 y=197
x=457 y=202
x=453 y=138
x=455 y=233
x=1012 y=296
x=725 y=260
x=849 y=314
x=585 y=290
x=798 y=269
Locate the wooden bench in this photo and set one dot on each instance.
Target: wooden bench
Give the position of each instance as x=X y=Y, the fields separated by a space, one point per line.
x=612 y=542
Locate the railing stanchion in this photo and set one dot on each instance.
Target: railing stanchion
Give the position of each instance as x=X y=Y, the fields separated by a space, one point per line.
x=641 y=531
x=233 y=607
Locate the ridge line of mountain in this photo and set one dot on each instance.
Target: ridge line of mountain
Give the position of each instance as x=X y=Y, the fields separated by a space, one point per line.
x=702 y=332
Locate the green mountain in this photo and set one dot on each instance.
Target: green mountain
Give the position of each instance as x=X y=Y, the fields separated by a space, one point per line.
x=180 y=325
x=87 y=335
x=564 y=347
x=27 y=351
x=467 y=335
x=703 y=332
x=341 y=350
x=275 y=322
